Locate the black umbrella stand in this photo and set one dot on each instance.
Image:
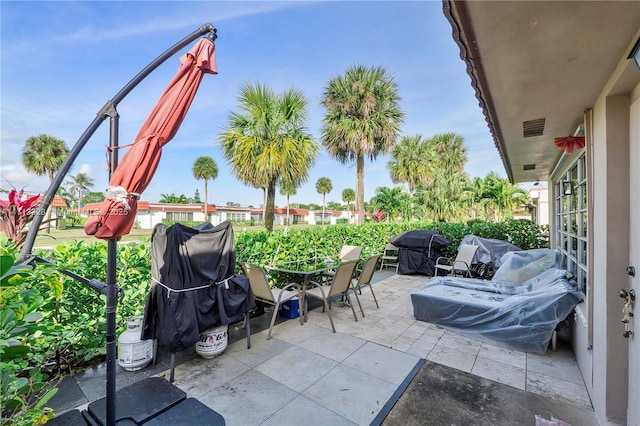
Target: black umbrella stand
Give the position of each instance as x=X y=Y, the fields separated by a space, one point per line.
x=111 y=290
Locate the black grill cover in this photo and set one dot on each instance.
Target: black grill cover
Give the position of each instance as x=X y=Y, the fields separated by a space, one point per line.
x=418 y=251
x=193 y=284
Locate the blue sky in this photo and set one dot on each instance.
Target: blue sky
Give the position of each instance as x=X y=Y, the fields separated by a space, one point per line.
x=61 y=61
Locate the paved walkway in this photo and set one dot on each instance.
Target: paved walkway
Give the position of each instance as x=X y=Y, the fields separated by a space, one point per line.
x=308 y=375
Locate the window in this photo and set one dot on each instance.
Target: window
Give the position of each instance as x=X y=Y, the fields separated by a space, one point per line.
x=180 y=216
x=236 y=217
x=571 y=219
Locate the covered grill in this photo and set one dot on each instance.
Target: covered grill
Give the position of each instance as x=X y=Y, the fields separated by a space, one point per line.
x=418 y=251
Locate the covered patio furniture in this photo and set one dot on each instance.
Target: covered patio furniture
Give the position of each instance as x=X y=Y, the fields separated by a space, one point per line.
x=418 y=251
x=461 y=264
x=193 y=285
x=522 y=314
x=487 y=258
x=263 y=292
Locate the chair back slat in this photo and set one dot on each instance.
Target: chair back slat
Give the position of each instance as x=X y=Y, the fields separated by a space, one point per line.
x=466 y=253
x=368 y=270
x=350 y=253
x=343 y=276
x=258 y=281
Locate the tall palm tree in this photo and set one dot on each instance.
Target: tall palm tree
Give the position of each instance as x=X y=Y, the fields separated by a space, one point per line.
x=288 y=190
x=44 y=155
x=363 y=119
x=205 y=168
x=267 y=143
x=411 y=162
x=81 y=183
x=324 y=186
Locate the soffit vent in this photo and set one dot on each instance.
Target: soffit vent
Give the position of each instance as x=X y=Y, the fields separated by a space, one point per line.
x=529 y=167
x=533 y=127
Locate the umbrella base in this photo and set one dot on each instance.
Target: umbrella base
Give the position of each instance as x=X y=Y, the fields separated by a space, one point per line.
x=152 y=401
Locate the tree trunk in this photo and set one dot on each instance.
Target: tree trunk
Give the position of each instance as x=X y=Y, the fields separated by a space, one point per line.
x=322 y=209
x=271 y=198
x=50 y=209
x=206 y=201
x=264 y=205
x=288 y=217
x=360 y=189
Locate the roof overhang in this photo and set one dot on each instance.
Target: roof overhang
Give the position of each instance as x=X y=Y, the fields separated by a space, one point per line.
x=536 y=67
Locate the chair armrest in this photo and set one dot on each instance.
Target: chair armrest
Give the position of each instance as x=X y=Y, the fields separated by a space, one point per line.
x=447 y=259
x=460 y=261
x=296 y=285
x=315 y=283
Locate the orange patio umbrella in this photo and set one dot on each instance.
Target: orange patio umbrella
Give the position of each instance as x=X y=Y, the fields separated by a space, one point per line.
x=118 y=211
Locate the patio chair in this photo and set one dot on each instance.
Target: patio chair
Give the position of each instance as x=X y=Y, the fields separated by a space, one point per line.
x=263 y=292
x=340 y=285
x=350 y=253
x=389 y=257
x=462 y=262
x=347 y=253
x=364 y=279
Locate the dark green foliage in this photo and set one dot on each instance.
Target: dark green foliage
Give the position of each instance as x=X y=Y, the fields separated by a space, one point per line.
x=281 y=246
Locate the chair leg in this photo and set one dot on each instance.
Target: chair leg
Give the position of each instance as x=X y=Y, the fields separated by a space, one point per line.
x=273 y=319
x=247 y=323
x=346 y=294
x=374 y=296
x=328 y=311
x=358 y=300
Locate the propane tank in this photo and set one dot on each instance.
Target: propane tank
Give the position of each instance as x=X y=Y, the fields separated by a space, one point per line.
x=133 y=353
x=212 y=342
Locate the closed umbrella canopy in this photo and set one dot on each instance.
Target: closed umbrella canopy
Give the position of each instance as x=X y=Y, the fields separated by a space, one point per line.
x=133 y=174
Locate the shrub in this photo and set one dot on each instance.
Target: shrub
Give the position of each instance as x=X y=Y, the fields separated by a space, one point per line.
x=24 y=331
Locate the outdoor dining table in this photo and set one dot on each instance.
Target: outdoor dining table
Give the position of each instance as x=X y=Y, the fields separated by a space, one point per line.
x=306 y=270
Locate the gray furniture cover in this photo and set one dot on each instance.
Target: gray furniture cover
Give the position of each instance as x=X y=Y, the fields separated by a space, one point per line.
x=516 y=315
x=490 y=250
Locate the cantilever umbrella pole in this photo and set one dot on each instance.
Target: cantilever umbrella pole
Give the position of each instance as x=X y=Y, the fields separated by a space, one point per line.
x=108 y=110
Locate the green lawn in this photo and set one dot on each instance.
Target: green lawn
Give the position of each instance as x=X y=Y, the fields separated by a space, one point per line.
x=64 y=236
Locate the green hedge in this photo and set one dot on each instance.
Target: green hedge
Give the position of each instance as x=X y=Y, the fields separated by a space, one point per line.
x=265 y=248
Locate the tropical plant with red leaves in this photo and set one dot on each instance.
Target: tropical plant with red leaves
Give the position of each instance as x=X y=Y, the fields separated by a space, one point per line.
x=379 y=216
x=16 y=214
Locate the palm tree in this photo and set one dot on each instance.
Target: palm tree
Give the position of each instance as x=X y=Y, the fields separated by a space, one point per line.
x=288 y=190
x=173 y=199
x=266 y=143
x=44 y=155
x=363 y=119
x=348 y=195
x=445 y=198
x=205 y=168
x=323 y=186
x=411 y=162
x=389 y=200
x=449 y=151
x=501 y=196
x=82 y=183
